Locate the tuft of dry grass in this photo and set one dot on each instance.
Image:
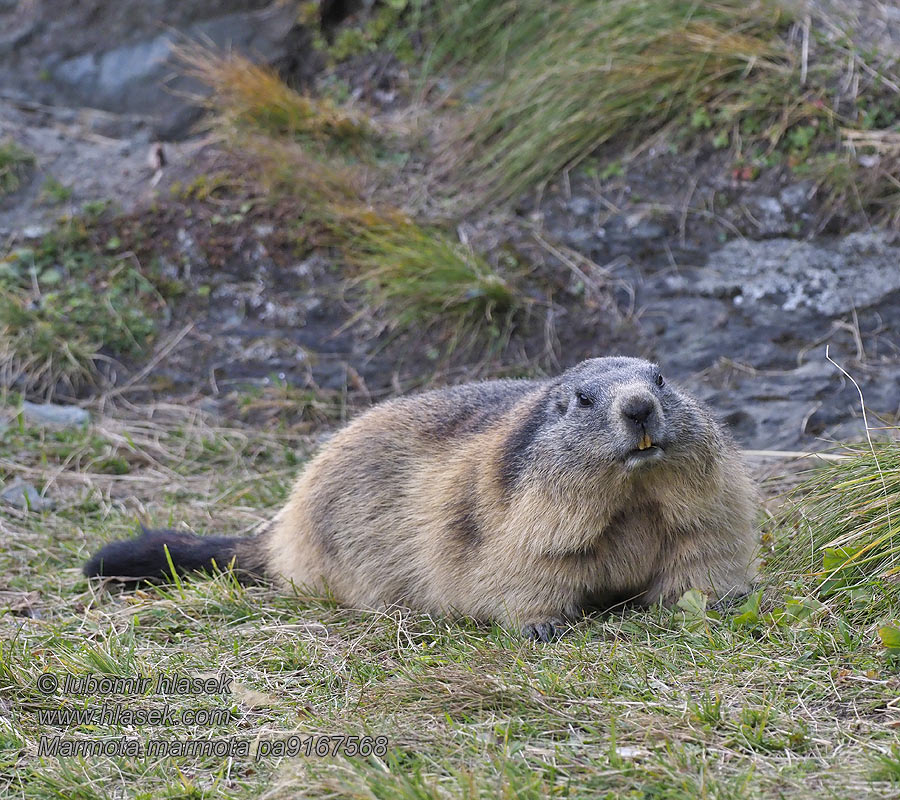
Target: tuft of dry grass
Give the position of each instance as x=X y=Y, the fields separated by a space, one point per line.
x=409 y=273
x=249 y=95
x=419 y=273
x=575 y=76
x=843 y=524
x=289 y=169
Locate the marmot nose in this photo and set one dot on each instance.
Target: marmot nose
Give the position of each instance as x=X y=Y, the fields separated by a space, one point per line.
x=638 y=409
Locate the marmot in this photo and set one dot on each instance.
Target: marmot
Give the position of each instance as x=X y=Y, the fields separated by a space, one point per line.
x=520 y=501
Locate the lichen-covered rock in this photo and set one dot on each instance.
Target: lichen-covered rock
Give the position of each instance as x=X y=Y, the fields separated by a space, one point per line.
x=856 y=272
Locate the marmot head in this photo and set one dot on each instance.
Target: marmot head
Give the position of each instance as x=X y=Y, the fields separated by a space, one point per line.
x=620 y=415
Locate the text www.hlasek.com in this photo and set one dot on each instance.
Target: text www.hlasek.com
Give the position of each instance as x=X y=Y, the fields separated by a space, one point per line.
x=114 y=714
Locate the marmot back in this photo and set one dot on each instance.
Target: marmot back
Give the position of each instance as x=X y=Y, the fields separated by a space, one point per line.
x=522 y=501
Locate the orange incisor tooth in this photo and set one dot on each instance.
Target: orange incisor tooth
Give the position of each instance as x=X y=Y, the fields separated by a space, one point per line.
x=645 y=442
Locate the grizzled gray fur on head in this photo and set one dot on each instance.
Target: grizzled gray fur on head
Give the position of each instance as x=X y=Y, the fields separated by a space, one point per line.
x=596 y=415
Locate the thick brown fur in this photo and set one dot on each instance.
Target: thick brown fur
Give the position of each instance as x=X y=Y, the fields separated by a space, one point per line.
x=524 y=502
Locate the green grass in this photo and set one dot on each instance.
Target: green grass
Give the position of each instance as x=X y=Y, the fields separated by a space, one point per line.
x=784 y=697
x=387 y=27
x=283 y=406
x=15 y=162
x=68 y=303
x=55 y=192
x=557 y=81
x=420 y=276
x=577 y=75
x=844 y=525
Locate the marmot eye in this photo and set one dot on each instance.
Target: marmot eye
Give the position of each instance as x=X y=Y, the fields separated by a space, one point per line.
x=659 y=380
x=583 y=400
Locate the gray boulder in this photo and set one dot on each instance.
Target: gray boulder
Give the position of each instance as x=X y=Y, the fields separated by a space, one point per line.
x=25 y=496
x=55 y=416
x=118 y=56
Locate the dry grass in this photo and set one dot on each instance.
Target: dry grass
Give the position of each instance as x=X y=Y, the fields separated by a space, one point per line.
x=574 y=78
x=288 y=169
x=863 y=176
x=247 y=95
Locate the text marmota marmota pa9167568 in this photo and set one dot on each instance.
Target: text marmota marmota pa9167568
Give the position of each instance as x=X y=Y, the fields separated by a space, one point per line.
x=521 y=501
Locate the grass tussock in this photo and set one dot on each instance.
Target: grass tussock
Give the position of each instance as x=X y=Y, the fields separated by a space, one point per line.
x=289 y=170
x=419 y=273
x=575 y=76
x=251 y=96
x=557 y=81
x=862 y=177
x=843 y=528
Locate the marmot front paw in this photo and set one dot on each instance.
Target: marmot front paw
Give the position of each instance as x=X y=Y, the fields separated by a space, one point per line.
x=545 y=631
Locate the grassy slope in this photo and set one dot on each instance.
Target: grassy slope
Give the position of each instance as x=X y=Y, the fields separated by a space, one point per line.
x=559 y=81
x=659 y=704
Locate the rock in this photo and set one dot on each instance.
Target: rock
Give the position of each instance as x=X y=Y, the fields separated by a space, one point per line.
x=581 y=206
x=647 y=229
x=768 y=215
x=858 y=272
x=579 y=237
x=189 y=248
x=639 y=226
x=25 y=496
x=627 y=228
x=60 y=54
x=795 y=198
x=54 y=415
x=34 y=231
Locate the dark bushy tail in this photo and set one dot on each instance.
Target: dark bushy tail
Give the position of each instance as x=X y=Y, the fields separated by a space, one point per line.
x=144 y=557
